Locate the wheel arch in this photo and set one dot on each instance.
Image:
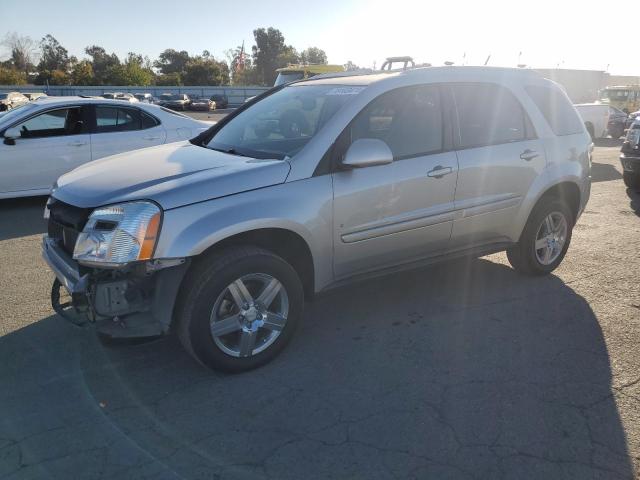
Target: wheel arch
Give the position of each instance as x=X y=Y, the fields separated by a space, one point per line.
x=285 y=243
x=567 y=191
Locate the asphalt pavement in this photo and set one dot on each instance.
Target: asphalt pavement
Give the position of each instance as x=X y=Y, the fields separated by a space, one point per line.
x=465 y=370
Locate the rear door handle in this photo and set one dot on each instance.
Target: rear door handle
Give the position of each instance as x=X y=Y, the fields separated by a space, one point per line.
x=529 y=154
x=151 y=138
x=77 y=144
x=439 y=172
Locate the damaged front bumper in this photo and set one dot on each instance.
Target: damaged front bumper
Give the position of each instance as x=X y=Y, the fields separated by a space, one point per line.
x=136 y=300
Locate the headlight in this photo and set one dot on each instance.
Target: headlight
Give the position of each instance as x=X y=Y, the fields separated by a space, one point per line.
x=118 y=234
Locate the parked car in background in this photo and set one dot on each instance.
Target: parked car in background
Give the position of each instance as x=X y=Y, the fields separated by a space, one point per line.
x=617 y=122
x=222 y=239
x=221 y=101
x=624 y=97
x=201 y=104
x=631 y=118
x=178 y=101
x=630 y=157
x=11 y=100
x=144 y=97
x=601 y=119
x=164 y=98
x=35 y=95
x=44 y=139
x=126 y=97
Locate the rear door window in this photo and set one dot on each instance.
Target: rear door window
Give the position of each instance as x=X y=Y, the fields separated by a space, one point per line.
x=556 y=109
x=489 y=115
x=118 y=119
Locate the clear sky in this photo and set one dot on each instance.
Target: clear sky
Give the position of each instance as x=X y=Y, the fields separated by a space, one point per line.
x=549 y=33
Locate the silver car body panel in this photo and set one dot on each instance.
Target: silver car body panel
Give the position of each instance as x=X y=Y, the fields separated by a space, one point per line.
x=169 y=174
x=354 y=221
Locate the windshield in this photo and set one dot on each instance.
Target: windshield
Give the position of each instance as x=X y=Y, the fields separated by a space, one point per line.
x=286 y=77
x=17 y=111
x=281 y=124
x=615 y=94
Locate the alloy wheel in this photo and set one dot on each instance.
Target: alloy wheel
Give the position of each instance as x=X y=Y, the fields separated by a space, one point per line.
x=249 y=315
x=551 y=237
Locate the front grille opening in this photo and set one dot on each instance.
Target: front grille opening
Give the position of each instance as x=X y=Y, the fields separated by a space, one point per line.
x=65 y=223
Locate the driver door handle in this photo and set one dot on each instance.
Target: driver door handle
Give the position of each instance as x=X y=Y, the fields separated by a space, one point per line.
x=77 y=144
x=151 y=138
x=439 y=172
x=529 y=154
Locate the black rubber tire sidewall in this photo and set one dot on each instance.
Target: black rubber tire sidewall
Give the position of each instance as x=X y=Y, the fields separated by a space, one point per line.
x=523 y=255
x=631 y=180
x=204 y=287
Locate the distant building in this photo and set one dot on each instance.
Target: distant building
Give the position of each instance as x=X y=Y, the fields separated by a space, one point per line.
x=583 y=86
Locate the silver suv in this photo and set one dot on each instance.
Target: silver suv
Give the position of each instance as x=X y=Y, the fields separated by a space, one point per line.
x=307 y=187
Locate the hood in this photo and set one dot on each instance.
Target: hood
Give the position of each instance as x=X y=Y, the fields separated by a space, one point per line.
x=172 y=175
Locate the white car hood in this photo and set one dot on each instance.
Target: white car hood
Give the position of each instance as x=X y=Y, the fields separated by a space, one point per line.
x=172 y=175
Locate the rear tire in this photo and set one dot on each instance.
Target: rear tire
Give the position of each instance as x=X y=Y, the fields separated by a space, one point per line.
x=631 y=180
x=616 y=133
x=544 y=240
x=228 y=316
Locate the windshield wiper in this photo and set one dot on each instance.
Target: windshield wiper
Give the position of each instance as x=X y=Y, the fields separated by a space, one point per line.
x=231 y=151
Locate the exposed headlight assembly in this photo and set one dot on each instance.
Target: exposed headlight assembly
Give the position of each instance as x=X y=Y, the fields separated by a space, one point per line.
x=119 y=234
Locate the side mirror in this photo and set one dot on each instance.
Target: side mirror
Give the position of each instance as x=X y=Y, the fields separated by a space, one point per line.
x=367 y=152
x=10 y=135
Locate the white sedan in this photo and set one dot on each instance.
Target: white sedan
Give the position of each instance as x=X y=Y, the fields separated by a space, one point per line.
x=45 y=139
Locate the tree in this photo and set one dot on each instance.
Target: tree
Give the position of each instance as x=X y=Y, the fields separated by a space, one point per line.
x=237 y=58
x=53 y=55
x=169 y=79
x=172 y=61
x=101 y=63
x=313 y=55
x=205 y=70
x=269 y=53
x=134 y=71
x=246 y=76
x=82 y=73
x=12 y=76
x=59 y=77
x=288 y=56
x=349 y=66
x=23 y=51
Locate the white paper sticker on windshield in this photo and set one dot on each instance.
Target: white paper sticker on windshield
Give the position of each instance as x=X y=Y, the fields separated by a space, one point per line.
x=345 y=91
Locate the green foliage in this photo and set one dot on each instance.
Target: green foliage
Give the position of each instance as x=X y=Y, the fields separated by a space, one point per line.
x=270 y=53
x=313 y=55
x=246 y=76
x=172 y=61
x=174 y=67
x=59 y=77
x=169 y=79
x=205 y=70
x=82 y=73
x=102 y=63
x=12 y=76
x=53 y=55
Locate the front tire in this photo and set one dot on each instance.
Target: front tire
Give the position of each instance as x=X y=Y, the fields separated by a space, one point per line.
x=544 y=240
x=631 y=180
x=239 y=308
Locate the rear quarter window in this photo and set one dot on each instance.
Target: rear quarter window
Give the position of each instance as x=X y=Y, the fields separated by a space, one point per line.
x=556 y=109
